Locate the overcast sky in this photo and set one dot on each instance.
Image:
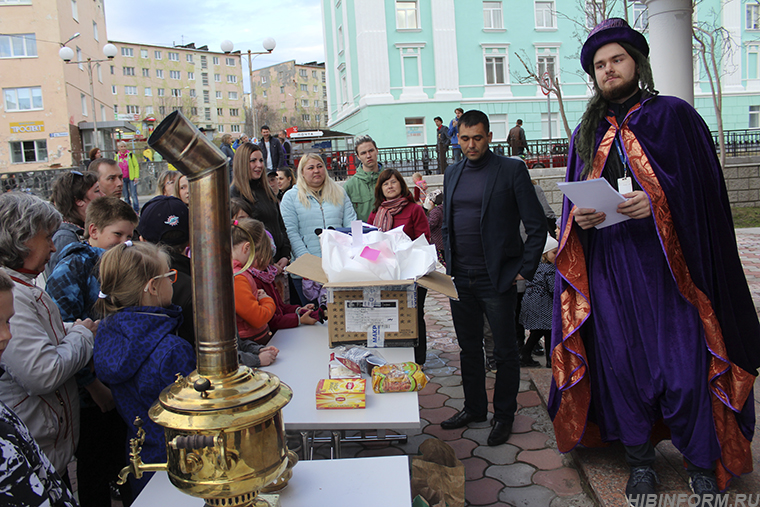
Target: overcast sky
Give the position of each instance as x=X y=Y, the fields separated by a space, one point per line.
x=296 y=26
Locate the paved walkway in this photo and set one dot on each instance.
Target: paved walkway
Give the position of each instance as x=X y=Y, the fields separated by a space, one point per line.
x=528 y=470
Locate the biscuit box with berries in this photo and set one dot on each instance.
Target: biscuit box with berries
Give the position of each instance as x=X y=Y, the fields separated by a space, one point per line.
x=341 y=393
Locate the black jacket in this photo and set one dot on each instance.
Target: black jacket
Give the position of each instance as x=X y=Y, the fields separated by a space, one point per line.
x=278 y=156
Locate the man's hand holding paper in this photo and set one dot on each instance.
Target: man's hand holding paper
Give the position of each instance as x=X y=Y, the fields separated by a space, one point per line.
x=599 y=205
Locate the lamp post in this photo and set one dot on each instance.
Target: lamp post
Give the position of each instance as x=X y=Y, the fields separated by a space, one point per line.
x=269 y=45
x=67 y=55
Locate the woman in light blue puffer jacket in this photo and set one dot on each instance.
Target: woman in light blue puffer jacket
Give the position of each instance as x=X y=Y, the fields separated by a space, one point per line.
x=315 y=202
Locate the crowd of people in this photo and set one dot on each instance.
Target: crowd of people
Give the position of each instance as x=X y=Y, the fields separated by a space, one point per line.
x=646 y=322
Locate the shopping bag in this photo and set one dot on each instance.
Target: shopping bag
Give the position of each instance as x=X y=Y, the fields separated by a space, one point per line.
x=437 y=475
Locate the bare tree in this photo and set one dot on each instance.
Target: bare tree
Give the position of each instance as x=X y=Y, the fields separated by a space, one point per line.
x=552 y=86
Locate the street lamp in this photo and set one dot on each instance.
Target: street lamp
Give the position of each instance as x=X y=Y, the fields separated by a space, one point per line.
x=67 y=55
x=269 y=45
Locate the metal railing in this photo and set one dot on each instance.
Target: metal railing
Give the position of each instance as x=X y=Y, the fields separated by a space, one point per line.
x=739 y=143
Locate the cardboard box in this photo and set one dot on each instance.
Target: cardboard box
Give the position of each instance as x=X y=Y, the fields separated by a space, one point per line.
x=341 y=393
x=373 y=314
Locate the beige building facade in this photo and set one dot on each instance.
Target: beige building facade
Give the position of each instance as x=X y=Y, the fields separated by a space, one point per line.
x=150 y=82
x=290 y=94
x=44 y=100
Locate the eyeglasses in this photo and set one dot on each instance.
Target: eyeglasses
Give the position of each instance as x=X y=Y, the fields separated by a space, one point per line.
x=171 y=275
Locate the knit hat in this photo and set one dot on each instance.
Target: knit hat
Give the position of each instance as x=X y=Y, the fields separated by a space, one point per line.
x=165 y=219
x=550 y=244
x=608 y=31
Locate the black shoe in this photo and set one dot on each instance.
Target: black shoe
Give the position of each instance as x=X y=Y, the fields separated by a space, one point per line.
x=460 y=420
x=538 y=350
x=640 y=485
x=529 y=362
x=704 y=485
x=500 y=433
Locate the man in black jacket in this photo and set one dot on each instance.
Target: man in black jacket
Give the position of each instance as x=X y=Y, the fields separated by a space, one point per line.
x=271 y=148
x=486 y=197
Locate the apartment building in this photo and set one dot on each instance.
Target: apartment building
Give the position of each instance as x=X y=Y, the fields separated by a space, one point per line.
x=289 y=94
x=150 y=82
x=47 y=108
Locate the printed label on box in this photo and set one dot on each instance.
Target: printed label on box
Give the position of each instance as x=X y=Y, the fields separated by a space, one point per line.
x=382 y=316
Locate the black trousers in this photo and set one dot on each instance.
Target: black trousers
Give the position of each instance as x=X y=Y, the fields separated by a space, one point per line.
x=420 y=351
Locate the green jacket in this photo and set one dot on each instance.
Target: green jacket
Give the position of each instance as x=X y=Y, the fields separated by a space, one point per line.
x=361 y=190
x=134 y=165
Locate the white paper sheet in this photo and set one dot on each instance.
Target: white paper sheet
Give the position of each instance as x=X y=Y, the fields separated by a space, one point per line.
x=596 y=194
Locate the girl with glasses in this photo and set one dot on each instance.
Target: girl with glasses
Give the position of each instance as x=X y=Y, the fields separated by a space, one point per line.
x=138 y=351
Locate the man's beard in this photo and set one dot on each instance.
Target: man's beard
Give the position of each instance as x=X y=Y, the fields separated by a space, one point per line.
x=623 y=91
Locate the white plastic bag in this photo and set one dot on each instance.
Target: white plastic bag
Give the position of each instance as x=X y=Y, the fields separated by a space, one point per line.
x=375 y=256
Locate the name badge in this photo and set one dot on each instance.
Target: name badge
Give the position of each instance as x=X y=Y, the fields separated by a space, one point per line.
x=625 y=186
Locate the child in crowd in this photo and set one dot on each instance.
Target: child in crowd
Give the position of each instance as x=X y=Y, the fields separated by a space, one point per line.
x=434 y=205
x=253 y=306
x=74 y=287
x=26 y=475
x=137 y=352
x=420 y=188
x=166 y=182
x=263 y=273
x=182 y=189
x=240 y=208
x=536 y=311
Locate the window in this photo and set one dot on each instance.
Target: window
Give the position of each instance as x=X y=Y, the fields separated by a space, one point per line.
x=234 y=128
x=157 y=55
x=218 y=95
x=325 y=104
x=263 y=79
x=95 y=31
x=415 y=131
x=547 y=61
x=74 y=10
x=282 y=89
x=754 y=117
x=146 y=72
x=545 y=15
x=231 y=78
x=204 y=78
x=207 y=113
x=304 y=88
x=102 y=113
x=324 y=91
x=206 y=98
x=161 y=109
x=545 y=126
x=128 y=52
x=144 y=53
x=189 y=58
x=411 y=67
x=160 y=73
x=79 y=58
x=148 y=91
x=284 y=119
x=753 y=13
x=217 y=78
x=492 y=16
x=128 y=71
x=304 y=103
x=113 y=70
x=194 y=111
x=406 y=15
x=219 y=111
x=83 y=101
x=191 y=76
x=302 y=73
x=594 y=13
x=753 y=61
x=115 y=108
x=220 y=128
x=133 y=109
x=316 y=103
x=323 y=77
x=340 y=39
x=315 y=88
x=149 y=110
x=114 y=90
x=232 y=95
x=176 y=92
x=216 y=60
x=316 y=117
x=161 y=92
x=28 y=151
x=175 y=74
x=204 y=62
x=192 y=92
x=234 y=112
x=130 y=90
x=173 y=57
x=230 y=62
x=17 y=46
x=314 y=74
x=498 y=126
x=641 y=17
x=100 y=73
x=264 y=94
x=22 y=99
x=495 y=69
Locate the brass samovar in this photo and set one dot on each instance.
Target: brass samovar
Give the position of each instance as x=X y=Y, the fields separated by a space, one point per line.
x=223 y=422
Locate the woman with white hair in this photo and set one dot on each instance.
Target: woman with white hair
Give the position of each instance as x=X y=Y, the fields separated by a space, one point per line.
x=315 y=202
x=41 y=360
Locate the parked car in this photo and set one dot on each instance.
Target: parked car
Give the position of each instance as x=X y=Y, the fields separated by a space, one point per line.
x=557 y=158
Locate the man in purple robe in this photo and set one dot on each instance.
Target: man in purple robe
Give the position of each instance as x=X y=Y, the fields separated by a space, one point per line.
x=654 y=328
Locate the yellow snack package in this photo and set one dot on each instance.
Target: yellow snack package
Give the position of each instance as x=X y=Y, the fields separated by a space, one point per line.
x=398 y=378
x=341 y=393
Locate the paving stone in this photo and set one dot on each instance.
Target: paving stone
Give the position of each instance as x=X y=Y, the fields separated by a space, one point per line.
x=482 y=492
x=530 y=496
x=513 y=476
x=430 y=388
x=436 y=415
x=451 y=380
x=543 y=423
x=452 y=391
x=446 y=435
x=450 y=356
x=455 y=403
x=522 y=424
x=582 y=500
x=440 y=372
x=432 y=400
x=413 y=442
x=563 y=481
x=525 y=385
x=434 y=362
x=474 y=468
x=478 y=432
x=530 y=440
x=544 y=459
x=499 y=455
x=528 y=399
x=463 y=447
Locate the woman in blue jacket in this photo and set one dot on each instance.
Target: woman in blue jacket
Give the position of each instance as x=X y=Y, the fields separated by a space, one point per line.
x=315 y=202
